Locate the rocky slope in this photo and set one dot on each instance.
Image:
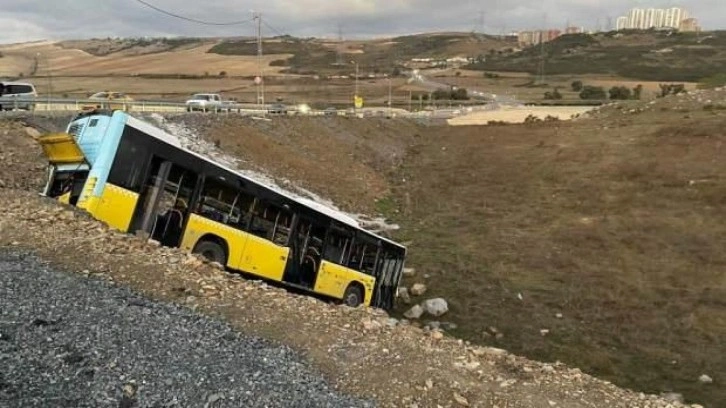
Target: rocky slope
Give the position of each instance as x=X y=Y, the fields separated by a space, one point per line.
x=362 y=351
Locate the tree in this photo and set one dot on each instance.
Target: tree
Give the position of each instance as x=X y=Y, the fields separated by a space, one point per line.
x=593 y=92
x=576 y=86
x=671 y=89
x=458 y=94
x=396 y=72
x=554 y=95
x=620 y=93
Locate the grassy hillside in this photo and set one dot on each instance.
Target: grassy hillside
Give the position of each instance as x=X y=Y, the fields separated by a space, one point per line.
x=649 y=55
x=107 y=46
x=315 y=55
x=607 y=232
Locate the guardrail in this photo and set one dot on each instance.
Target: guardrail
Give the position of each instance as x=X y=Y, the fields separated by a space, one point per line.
x=43 y=104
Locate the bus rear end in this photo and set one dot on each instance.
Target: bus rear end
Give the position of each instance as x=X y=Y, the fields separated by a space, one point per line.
x=72 y=155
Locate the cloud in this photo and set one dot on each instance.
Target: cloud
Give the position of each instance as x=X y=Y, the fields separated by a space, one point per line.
x=24 y=20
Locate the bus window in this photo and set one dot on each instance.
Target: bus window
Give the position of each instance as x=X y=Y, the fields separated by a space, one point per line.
x=271 y=222
x=222 y=203
x=368 y=263
x=338 y=245
x=126 y=171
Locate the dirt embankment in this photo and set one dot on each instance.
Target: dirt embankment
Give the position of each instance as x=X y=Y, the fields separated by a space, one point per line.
x=362 y=351
x=604 y=233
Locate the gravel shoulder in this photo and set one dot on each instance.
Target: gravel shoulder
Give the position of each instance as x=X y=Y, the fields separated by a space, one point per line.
x=66 y=340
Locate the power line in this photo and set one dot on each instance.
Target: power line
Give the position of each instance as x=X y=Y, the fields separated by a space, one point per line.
x=278 y=32
x=193 y=20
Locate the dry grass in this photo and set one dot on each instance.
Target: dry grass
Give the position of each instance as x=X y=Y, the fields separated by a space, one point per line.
x=619 y=229
x=194 y=61
x=601 y=226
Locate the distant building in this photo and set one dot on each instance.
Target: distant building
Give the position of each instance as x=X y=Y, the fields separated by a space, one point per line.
x=621 y=23
x=528 y=38
x=644 y=19
x=574 y=30
x=690 y=25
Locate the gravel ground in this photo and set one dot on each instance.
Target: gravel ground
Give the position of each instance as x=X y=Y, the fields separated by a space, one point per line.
x=68 y=341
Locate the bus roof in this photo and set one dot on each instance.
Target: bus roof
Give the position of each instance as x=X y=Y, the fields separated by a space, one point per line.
x=160 y=134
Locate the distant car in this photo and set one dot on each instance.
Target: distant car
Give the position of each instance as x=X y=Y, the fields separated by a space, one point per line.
x=17 y=95
x=109 y=100
x=277 y=109
x=206 y=102
x=331 y=111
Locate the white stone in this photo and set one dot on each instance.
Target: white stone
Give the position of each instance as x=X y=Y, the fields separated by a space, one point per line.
x=418 y=289
x=436 y=307
x=705 y=379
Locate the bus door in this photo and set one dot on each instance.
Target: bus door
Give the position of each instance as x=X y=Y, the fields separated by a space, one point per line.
x=306 y=245
x=163 y=206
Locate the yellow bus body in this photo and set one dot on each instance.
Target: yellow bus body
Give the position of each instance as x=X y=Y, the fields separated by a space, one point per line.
x=260 y=257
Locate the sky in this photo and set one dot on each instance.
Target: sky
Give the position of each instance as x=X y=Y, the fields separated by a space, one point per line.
x=29 y=20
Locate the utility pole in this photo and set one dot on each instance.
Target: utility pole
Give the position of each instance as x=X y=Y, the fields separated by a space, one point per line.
x=49 y=74
x=390 y=96
x=339 y=56
x=542 y=50
x=260 y=81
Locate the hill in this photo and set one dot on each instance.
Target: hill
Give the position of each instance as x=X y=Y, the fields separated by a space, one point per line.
x=361 y=351
x=321 y=56
x=596 y=242
x=644 y=55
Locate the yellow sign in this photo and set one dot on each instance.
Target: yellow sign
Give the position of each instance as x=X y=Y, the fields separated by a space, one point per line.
x=358 y=101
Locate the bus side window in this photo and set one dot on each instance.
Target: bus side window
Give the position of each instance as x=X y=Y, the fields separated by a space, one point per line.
x=337 y=246
x=222 y=203
x=271 y=222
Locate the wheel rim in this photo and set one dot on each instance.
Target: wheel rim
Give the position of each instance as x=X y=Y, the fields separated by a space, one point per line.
x=210 y=255
x=352 y=299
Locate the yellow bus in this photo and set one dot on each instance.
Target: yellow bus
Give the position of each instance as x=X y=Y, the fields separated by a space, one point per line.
x=139 y=179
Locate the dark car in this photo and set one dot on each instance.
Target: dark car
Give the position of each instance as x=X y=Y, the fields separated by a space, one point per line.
x=277 y=109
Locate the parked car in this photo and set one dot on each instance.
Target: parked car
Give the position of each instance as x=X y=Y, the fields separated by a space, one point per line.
x=277 y=109
x=208 y=102
x=17 y=95
x=109 y=100
x=331 y=111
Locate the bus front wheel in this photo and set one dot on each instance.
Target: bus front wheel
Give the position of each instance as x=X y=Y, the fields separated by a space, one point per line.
x=212 y=251
x=353 y=296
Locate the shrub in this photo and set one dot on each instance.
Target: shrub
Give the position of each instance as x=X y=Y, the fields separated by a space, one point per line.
x=620 y=93
x=593 y=92
x=554 y=95
x=576 y=86
x=671 y=89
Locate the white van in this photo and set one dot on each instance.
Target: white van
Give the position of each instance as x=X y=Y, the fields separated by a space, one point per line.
x=17 y=95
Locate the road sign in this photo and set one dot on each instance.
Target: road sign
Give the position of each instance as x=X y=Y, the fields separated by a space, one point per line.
x=358 y=101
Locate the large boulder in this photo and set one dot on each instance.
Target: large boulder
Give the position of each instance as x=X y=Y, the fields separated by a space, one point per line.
x=436 y=307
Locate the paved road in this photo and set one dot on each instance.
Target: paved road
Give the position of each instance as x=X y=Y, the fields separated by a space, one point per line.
x=68 y=341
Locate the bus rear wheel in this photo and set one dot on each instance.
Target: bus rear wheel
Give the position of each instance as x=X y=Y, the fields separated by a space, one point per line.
x=212 y=251
x=353 y=296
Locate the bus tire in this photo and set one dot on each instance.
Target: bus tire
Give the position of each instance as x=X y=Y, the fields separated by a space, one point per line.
x=212 y=251
x=353 y=295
